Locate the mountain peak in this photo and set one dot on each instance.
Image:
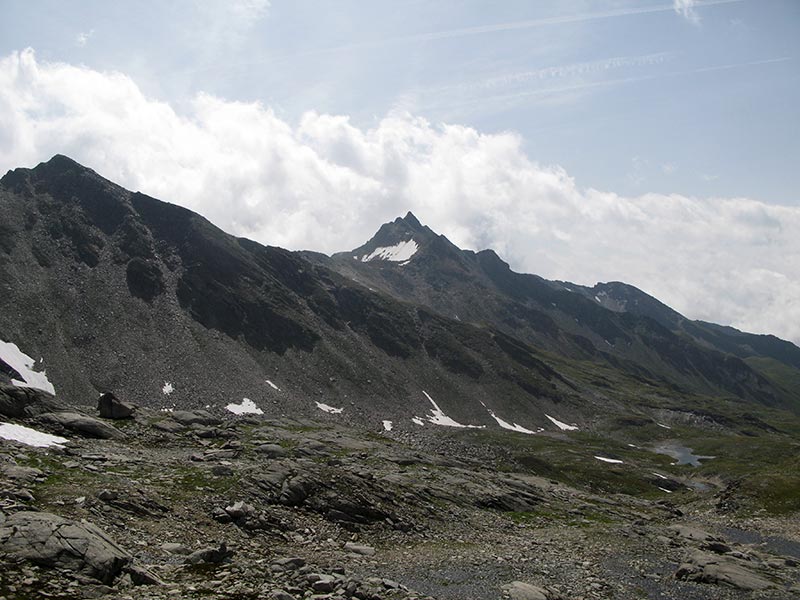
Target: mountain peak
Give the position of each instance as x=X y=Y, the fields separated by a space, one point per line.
x=410 y=220
x=57 y=165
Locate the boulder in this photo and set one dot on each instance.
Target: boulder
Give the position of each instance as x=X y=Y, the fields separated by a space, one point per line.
x=82 y=425
x=291 y=563
x=519 y=590
x=709 y=568
x=359 y=549
x=240 y=510
x=209 y=555
x=175 y=548
x=20 y=403
x=111 y=407
x=687 y=532
x=52 y=541
x=195 y=417
x=272 y=450
x=21 y=475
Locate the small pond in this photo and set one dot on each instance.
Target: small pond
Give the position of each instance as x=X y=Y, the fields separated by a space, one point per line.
x=681 y=454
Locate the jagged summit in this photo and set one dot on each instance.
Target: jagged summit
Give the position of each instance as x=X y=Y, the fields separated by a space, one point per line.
x=57 y=165
x=410 y=220
x=396 y=242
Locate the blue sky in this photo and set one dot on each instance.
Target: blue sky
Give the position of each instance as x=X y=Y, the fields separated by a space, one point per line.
x=653 y=142
x=630 y=96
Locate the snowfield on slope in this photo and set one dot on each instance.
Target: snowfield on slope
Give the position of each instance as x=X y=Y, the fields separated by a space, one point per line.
x=437 y=417
x=561 y=425
x=511 y=426
x=247 y=407
x=614 y=461
x=24 y=364
x=401 y=253
x=329 y=409
x=30 y=437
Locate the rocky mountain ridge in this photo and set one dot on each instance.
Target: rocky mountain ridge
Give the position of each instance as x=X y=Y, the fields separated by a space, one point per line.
x=276 y=425
x=612 y=323
x=121 y=292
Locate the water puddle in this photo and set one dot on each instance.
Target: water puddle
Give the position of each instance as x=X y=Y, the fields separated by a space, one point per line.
x=681 y=454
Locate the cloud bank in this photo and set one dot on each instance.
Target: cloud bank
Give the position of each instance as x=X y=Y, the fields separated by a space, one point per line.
x=325 y=184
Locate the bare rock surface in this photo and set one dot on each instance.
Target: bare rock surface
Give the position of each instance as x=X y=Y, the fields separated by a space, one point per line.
x=52 y=541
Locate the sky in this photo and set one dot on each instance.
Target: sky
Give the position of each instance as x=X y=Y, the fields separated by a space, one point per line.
x=651 y=142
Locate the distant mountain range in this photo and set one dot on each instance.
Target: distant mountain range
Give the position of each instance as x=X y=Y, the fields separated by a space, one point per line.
x=117 y=291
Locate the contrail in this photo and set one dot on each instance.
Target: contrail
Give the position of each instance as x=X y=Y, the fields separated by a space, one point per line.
x=480 y=30
x=528 y=24
x=611 y=82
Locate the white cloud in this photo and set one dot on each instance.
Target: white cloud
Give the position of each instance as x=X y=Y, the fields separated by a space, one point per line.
x=325 y=184
x=686 y=9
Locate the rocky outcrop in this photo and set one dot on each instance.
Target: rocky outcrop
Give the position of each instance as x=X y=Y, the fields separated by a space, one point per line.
x=519 y=590
x=18 y=402
x=111 y=407
x=711 y=568
x=52 y=541
x=82 y=425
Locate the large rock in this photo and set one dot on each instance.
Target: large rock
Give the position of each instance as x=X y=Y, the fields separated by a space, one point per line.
x=19 y=402
x=21 y=475
x=195 y=417
x=111 y=407
x=82 y=425
x=209 y=555
x=709 y=568
x=519 y=590
x=687 y=532
x=52 y=541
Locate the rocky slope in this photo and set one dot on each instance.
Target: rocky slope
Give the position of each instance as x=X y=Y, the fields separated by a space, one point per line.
x=200 y=504
x=614 y=324
x=120 y=292
x=117 y=291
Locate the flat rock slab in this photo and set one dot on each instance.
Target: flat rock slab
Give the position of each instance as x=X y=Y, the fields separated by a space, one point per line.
x=195 y=417
x=710 y=568
x=519 y=590
x=359 y=549
x=52 y=541
x=82 y=425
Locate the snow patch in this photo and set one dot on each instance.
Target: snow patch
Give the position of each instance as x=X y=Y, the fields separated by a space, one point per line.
x=561 y=425
x=402 y=252
x=273 y=386
x=660 y=475
x=418 y=421
x=609 y=460
x=247 y=407
x=30 y=437
x=662 y=425
x=511 y=426
x=329 y=409
x=168 y=388
x=665 y=490
x=387 y=425
x=437 y=417
x=23 y=364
